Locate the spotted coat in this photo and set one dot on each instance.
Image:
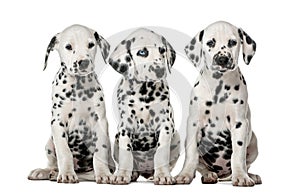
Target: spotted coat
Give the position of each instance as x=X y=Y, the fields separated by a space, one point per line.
x=147 y=143
x=79 y=142
x=219 y=114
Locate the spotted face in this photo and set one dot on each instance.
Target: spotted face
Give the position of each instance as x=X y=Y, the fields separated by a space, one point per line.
x=149 y=63
x=77 y=46
x=218 y=46
x=221 y=50
x=144 y=55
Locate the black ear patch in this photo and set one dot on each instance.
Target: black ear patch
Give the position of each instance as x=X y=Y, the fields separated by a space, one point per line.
x=49 y=49
x=254 y=45
x=128 y=45
x=248 y=44
x=201 y=35
x=52 y=44
x=240 y=34
x=119 y=67
x=96 y=35
x=248 y=39
x=103 y=44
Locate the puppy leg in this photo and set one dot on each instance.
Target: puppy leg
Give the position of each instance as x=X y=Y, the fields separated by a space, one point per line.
x=66 y=172
x=162 y=157
x=84 y=176
x=135 y=175
x=252 y=153
x=44 y=174
x=101 y=155
x=187 y=173
x=175 y=150
x=239 y=134
x=123 y=154
x=208 y=177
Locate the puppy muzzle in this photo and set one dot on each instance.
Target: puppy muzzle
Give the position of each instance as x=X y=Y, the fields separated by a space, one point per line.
x=222 y=61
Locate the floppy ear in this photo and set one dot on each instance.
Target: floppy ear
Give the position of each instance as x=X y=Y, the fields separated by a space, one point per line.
x=52 y=45
x=194 y=49
x=249 y=46
x=170 y=54
x=103 y=44
x=121 y=58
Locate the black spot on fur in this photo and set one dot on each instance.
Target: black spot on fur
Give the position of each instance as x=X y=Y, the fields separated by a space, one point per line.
x=193 y=41
x=208 y=103
x=143 y=89
x=249 y=57
x=128 y=44
x=217 y=75
x=248 y=39
x=240 y=34
x=201 y=35
x=161 y=50
x=254 y=45
x=228 y=118
x=237 y=87
x=61 y=124
x=238 y=125
x=227 y=87
x=192 y=56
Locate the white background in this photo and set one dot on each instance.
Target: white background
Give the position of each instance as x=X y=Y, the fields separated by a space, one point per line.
x=25 y=99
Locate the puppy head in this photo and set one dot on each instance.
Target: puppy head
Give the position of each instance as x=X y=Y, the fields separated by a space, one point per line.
x=76 y=46
x=143 y=55
x=218 y=47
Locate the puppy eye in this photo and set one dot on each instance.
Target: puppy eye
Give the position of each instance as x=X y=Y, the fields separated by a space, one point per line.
x=143 y=52
x=211 y=43
x=69 y=47
x=232 y=43
x=91 y=45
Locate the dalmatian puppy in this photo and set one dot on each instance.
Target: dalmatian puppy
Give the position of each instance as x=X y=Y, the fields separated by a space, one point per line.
x=220 y=142
x=146 y=143
x=79 y=142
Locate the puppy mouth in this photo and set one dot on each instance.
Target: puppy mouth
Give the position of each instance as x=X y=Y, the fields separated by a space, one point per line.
x=84 y=73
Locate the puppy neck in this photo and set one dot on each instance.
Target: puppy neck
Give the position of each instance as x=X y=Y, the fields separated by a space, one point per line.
x=63 y=77
x=215 y=76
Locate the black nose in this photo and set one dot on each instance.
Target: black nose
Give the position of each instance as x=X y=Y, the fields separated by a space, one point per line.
x=83 y=64
x=222 y=60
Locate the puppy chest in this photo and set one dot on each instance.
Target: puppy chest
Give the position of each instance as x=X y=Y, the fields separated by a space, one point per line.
x=145 y=140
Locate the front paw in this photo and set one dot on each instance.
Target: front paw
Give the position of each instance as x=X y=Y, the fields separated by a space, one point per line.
x=184 y=178
x=242 y=180
x=121 y=178
x=39 y=174
x=255 y=178
x=104 y=179
x=164 y=180
x=53 y=175
x=209 y=178
x=67 y=177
